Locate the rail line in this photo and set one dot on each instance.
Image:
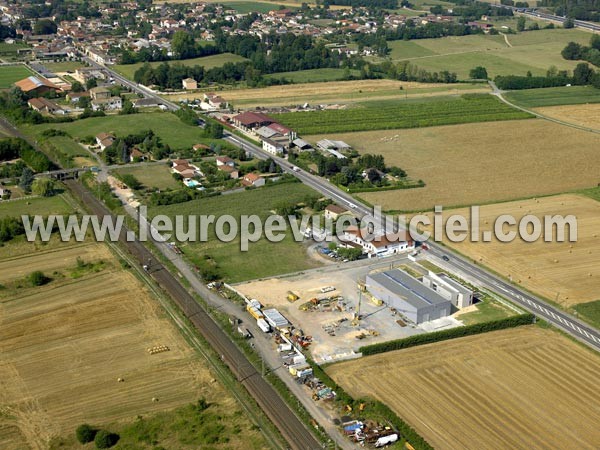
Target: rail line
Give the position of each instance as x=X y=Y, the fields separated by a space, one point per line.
x=291 y=427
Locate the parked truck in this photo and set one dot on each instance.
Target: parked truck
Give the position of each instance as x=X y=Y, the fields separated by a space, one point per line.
x=386 y=440
x=263 y=325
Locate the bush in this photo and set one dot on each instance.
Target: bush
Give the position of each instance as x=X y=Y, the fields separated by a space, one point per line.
x=437 y=336
x=105 y=439
x=38 y=278
x=85 y=433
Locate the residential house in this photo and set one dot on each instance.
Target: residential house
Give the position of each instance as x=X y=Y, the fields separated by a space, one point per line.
x=225 y=161
x=334 y=211
x=74 y=97
x=189 y=83
x=145 y=103
x=137 y=155
x=185 y=169
x=233 y=172
x=253 y=179
x=102 y=99
x=378 y=245
x=215 y=101
x=105 y=140
x=273 y=146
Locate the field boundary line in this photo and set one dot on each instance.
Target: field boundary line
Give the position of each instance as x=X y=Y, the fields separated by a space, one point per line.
x=498 y=93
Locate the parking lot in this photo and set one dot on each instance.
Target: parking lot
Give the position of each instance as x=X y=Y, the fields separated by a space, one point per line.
x=328 y=314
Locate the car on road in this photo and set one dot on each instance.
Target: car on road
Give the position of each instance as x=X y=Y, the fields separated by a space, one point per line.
x=445 y=258
x=352 y=205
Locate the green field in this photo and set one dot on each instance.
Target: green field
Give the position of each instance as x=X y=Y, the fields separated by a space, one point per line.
x=411 y=113
x=10 y=74
x=264 y=258
x=590 y=312
x=42 y=206
x=572 y=95
x=65 y=66
x=313 y=75
x=250 y=6
x=533 y=51
x=152 y=176
x=208 y=62
x=166 y=125
x=488 y=310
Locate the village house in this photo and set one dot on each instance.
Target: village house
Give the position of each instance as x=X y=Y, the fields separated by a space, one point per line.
x=214 y=101
x=185 y=169
x=224 y=161
x=189 y=83
x=104 y=140
x=232 y=171
x=102 y=99
x=137 y=155
x=253 y=179
x=377 y=246
x=273 y=146
x=333 y=212
x=74 y=97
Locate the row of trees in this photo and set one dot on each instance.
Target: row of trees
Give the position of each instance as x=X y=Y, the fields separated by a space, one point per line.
x=582 y=75
x=12 y=148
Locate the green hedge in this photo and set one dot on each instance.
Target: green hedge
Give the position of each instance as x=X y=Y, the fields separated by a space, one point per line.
x=396 y=187
x=428 y=338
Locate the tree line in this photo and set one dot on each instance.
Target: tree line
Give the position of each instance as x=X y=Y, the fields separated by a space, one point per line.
x=574 y=51
x=582 y=75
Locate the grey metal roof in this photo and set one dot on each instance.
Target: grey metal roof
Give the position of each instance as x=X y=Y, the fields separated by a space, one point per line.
x=408 y=288
x=455 y=284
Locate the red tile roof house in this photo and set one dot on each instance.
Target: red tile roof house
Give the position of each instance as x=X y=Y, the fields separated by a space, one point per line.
x=225 y=161
x=232 y=171
x=386 y=245
x=43 y=105
x=252 y=179
x=249 y=120
x=104 y=140
x=185 y=169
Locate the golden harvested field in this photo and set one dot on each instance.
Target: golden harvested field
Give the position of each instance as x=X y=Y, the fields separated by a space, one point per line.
x=335 y=92
x=481 y=162
x=567 y=273
x=584 y=115
x=64 y=345
x=525 y=388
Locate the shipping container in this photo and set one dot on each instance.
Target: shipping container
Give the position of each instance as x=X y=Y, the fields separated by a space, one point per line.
x=263 y=325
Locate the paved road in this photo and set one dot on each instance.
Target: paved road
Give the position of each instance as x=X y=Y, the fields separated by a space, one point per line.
x=290 y=426
x=534 y=13
x=536 y=305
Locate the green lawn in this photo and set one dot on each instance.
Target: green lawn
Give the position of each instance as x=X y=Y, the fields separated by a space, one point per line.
x=488 y=310
x=313 y=75
x=590 y=312
x=10 y=74
x=166 y=125
x=208 y=62
x=409 y=113
x=533 y=51
x=42 y=206
x=264 y=258
x=533 y=98
x=156 y=175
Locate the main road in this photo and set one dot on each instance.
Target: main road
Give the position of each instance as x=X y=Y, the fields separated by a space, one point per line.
x=541 y=308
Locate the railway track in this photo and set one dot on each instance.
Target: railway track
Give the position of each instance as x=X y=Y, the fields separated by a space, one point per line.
x=291 y=427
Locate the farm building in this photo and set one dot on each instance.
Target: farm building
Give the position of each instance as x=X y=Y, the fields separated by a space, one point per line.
x=43 y=105
x=36 y=85
x=249 y=120
x=417 y=302
x=189 y=83
x=334 y=147
x=460 y=296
